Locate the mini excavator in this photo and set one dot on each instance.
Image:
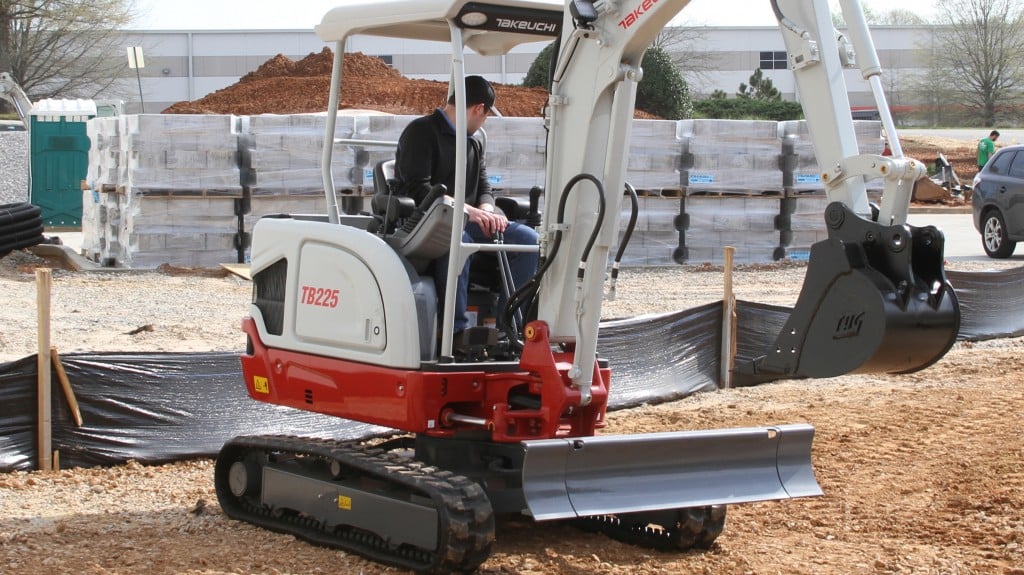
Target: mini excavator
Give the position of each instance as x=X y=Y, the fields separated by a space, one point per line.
x=343 y=321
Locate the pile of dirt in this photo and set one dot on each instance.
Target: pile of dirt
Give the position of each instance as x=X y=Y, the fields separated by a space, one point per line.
x=284 y=86
x=960 y=154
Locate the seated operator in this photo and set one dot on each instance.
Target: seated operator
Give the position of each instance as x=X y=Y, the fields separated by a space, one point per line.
x=426 y=157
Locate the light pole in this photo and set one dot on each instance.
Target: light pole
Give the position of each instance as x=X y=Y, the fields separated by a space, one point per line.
x=137 y=62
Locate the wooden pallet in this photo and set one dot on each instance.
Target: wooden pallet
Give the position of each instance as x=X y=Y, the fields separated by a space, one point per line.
x=189 y=194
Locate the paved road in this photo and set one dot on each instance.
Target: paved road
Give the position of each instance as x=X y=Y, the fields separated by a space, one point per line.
x=963 y=242
x=1007 y=136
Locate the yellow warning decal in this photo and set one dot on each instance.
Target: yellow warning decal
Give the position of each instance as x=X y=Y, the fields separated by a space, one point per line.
x=260 y=384
x=344 y=503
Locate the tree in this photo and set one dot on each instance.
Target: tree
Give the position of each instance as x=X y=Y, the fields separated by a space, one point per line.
x=982 y=54
x=662 y=90
x=894 y=17
x=902 y=17
x=760 y=88
x=684 y=44
x=64 y=48
x=839 y=22
x=539 y=73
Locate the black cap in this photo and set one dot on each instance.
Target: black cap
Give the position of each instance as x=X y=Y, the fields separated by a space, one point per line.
x=479 y=91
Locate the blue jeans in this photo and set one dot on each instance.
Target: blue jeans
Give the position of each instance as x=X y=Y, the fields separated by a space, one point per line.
x=523 y=265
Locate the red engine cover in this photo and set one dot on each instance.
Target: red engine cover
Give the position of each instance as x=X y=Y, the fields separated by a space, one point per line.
x=537 y=401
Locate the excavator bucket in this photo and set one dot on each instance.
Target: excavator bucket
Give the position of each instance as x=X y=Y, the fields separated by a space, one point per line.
x=875 y=300
x=604 y=475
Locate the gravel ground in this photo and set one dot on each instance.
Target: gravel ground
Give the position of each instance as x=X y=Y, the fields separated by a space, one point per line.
x=923 y=474
x=13 y=166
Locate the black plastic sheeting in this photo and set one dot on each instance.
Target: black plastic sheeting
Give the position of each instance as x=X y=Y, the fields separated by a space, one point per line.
x=155 y=408
x=991 y=303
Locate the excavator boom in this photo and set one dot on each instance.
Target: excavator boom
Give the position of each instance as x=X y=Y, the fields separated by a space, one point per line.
x=12 y=92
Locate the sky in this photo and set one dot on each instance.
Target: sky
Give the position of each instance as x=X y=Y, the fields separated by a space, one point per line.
x=304 y=14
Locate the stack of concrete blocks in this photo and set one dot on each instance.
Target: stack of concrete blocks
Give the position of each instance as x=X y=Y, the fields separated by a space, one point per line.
x=805 y=176
x=187 y=190
x=184 y=183
x=805 y=217
x=104 y=190
x=378 y=128
x=655 y=239
x=281 y=154
x=710 y=223
x=730 y=157
x=174 y=201
x=655 y=157
x=516 y=152
x=281 y=159
x=183 y=155
x=804 y=208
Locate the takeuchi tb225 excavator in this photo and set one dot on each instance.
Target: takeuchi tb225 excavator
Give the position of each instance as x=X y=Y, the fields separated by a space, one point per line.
x=344 y=321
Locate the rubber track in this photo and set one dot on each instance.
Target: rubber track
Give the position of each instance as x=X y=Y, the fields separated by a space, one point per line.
x=702 y=525
x=465 y=514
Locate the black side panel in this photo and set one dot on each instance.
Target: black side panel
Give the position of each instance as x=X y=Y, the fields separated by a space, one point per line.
x=268 y=287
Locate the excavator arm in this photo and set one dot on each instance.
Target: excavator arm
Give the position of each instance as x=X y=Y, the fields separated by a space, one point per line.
x=12 y=92
x=874 y=270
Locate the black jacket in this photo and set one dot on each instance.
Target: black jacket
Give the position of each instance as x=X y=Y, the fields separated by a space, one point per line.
x=426 y=156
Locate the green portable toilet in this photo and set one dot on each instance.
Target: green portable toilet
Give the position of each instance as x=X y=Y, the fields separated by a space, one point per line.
x=59 y=159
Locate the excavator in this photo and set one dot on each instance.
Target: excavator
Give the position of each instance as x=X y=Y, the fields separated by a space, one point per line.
x=12 y=92
x=343 y=321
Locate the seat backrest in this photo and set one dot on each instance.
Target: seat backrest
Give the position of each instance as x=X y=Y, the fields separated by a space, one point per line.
x=383 y=172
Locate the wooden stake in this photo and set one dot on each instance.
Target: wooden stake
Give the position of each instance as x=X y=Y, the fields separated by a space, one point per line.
x=56 y=460
x=728 y=323
x=69 y=393
x=44 y=451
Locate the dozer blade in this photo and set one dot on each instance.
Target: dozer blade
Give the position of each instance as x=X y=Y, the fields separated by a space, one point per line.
x=580 y=477
x=875 y=300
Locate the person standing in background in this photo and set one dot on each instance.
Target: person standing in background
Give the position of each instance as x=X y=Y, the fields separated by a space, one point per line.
x=987 y=147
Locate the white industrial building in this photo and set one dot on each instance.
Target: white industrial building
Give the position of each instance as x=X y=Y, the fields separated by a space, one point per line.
x=187 y=65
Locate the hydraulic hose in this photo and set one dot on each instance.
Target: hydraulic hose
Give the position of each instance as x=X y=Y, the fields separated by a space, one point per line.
x=528 y=291
x=626 y=236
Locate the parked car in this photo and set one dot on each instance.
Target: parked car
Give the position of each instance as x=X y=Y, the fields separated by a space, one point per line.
x=998 y=202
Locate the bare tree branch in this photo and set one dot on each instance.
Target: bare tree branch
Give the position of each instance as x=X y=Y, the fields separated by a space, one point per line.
x=64 y=48
x=685 y=45
x=982 y=48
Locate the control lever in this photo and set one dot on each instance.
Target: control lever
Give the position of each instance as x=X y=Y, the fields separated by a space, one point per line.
x=533 y=217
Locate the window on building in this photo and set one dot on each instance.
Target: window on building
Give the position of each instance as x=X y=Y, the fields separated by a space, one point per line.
x=774 y=61
x=387 y=59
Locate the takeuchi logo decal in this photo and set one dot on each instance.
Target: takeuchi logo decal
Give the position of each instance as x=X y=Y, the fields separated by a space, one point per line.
x=627 y=22
x=526 y=25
